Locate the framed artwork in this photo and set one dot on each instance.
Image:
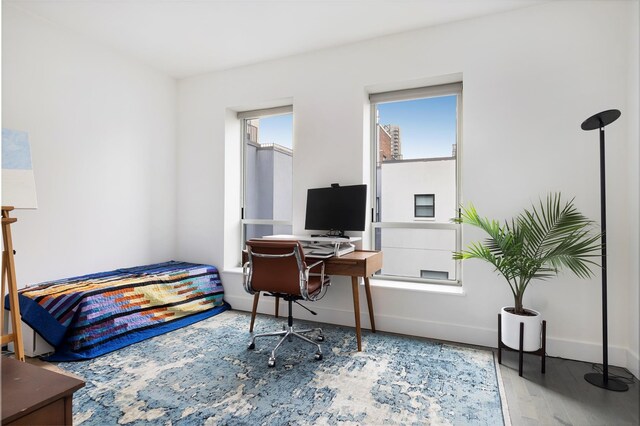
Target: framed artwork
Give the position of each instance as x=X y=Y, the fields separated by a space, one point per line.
x=18 y=180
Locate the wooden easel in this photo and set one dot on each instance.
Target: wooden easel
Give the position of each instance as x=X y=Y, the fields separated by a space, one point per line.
x=9 y=277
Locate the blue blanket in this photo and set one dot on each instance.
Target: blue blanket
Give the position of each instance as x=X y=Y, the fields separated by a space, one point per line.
x=88 y=316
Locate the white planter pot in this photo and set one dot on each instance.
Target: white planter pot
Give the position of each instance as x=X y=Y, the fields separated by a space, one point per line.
x=510 y=323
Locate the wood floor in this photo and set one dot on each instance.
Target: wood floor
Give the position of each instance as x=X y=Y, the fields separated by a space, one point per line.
x=562 y=396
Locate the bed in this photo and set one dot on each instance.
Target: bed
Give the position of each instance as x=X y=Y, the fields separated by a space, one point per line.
x=91 y=315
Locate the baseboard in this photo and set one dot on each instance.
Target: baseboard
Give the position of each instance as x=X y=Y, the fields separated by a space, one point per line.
x=556 y=347
x=591 y=352
x=392 y=324
x=325 y=314
x=633 y=363
x=33 y=345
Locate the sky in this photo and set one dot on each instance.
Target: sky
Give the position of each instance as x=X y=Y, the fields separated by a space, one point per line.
x=427 y=126
x=277 y=129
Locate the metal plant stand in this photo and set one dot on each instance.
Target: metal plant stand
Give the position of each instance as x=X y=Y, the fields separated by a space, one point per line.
x=541 y=352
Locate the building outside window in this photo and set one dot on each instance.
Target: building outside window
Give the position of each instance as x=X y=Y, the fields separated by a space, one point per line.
x=267 y=178
x=415 y=162
x=424 y=205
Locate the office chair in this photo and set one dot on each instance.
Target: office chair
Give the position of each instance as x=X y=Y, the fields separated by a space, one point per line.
x=278 y=268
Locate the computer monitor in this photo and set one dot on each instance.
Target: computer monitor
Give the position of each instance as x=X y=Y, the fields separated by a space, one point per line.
x=336 y=209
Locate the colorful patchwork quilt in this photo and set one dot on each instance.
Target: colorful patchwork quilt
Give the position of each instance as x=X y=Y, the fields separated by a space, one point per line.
x=88 y=316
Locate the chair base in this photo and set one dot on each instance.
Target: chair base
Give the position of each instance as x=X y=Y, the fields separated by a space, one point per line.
x=287 y=334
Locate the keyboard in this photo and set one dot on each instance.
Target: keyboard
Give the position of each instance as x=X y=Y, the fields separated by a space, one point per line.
x=318 y=252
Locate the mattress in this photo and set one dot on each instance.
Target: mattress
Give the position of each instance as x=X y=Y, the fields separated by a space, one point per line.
x=91 y=315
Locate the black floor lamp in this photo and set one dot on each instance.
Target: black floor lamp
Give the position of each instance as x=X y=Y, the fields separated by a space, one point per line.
x=599 y=121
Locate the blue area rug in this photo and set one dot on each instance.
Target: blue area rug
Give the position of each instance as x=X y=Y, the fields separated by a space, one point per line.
x=204 y=374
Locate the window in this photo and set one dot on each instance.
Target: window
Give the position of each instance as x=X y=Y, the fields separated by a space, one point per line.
x=416 y=143
x=267 y=179
x=424 y=205
x=438 y=275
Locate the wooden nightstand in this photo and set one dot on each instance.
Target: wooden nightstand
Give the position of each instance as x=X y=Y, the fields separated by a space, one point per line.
x=36 y=396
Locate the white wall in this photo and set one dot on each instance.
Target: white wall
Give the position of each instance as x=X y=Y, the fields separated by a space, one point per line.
x=530 y=78
x=103 y=140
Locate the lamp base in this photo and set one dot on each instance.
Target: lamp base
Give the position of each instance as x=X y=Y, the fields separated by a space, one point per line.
x=597 y=379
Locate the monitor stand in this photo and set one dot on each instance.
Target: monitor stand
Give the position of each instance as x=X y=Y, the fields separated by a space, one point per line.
x=332 y=234
x=337 y=245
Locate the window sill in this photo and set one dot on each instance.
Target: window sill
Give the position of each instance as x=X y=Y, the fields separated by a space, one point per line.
x=394 y=285
x=234 y=270
x=419 y=287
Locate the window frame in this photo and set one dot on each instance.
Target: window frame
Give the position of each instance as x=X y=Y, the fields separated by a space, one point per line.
x=432 y=205
x=406 y=95
x=244 y=117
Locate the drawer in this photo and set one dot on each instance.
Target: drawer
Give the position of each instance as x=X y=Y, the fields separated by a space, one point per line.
x=345 y=267
x=51 y=414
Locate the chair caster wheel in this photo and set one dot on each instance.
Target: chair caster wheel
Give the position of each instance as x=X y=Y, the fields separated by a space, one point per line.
x=271 y=363
x=251 y=346
x=320 y=338
x=318 y=356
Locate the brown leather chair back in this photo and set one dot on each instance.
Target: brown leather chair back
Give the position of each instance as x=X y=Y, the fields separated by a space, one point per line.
x=280 y=271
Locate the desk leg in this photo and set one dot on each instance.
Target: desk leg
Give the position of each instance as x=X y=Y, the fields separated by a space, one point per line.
x=256 y=297
x=369 y=303
x=356 y=309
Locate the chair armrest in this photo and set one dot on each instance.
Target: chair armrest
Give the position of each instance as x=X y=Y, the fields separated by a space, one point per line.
x=246 y=278
x=313 y=265
x=307 y=273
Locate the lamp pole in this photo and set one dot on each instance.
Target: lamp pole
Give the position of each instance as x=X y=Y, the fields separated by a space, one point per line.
x=599 y=121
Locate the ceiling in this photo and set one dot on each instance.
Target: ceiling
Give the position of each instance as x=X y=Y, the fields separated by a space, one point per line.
x=188 y=37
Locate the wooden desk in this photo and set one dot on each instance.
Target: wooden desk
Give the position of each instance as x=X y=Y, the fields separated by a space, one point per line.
x=36 y=396
x=360 y=263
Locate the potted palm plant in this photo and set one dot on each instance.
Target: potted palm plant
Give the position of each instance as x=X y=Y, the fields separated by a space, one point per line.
x=536 y=244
